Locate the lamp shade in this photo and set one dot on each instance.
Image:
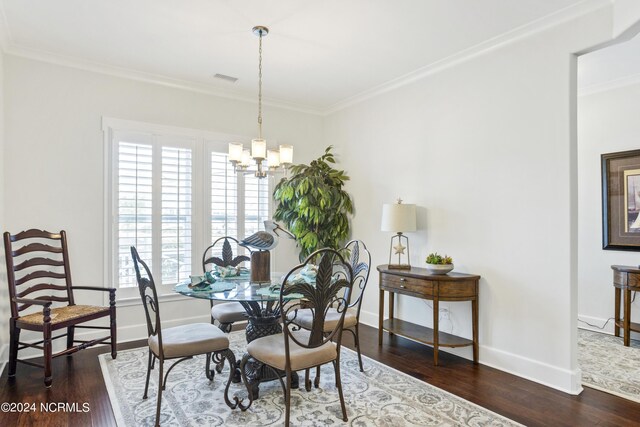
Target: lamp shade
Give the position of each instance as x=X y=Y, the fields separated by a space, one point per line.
x=258 y=149
x=398 y=217
x=235 y=151
x=286 y=154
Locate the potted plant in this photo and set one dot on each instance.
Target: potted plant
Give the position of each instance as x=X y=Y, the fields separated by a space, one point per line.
x=438 y=264
x=314 y=206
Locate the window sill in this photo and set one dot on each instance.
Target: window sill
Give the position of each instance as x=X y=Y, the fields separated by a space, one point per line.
x=132 y=301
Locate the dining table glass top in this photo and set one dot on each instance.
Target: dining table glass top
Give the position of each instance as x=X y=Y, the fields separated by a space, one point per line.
x=236 y=289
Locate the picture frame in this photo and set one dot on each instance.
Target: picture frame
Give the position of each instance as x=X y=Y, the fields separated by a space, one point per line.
x=621 y=200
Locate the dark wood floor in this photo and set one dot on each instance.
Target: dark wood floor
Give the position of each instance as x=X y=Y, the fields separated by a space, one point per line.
x=79 y=380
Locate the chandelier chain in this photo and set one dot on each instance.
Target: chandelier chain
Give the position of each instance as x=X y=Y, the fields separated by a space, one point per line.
x=260 y=87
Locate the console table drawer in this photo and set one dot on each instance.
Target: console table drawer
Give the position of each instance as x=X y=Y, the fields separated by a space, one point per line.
x=465 y=289
x=407 y=283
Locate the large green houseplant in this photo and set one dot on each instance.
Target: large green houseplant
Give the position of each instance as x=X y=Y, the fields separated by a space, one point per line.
x=314 y=206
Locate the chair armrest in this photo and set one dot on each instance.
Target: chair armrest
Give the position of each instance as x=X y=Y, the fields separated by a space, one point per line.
x=32 y=301
x=93 y=288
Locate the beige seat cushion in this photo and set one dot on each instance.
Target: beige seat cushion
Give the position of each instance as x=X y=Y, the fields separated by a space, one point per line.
x=228 y=312
x=62 y=314
x=190 y=340
x=270 y=350
x=304 y=318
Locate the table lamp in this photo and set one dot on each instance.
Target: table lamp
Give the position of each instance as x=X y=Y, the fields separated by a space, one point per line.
x=400 y=218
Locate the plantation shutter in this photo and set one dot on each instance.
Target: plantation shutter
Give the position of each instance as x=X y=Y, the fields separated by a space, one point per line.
x=134 y=208
x=224 y=198
x=256 y=204
x=176 y=214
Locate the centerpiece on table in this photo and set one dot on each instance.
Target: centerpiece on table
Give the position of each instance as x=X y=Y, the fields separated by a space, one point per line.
x=438 y=264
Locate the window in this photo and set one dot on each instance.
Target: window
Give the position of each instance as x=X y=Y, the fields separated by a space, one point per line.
x=171 y=196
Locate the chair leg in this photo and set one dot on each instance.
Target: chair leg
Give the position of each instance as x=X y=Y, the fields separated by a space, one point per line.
x=307 y=381
x=287 y=399
x=356 y=336
x=14 y=332
x=225 y=327
x=160 y=387
x=112 y=324
x=207 y=368
x=47 y=353
x=336 y=368
x=316 y=380
x=149 y=368
x=70 y=335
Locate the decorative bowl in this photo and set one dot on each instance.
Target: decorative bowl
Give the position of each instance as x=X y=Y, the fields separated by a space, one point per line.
x=439 y=268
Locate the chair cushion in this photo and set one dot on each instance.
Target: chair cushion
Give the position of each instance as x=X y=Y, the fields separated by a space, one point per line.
x=62 y=314
x=304 y=318
x=228 y=312
x=270 y=350
x=190 y=340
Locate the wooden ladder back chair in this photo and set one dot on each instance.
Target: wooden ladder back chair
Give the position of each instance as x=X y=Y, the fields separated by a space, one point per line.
x=295 y=349
x=220 y=253
x=38 y=274
x=170 y=343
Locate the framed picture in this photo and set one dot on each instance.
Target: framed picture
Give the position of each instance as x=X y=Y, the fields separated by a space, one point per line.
x=621 y=201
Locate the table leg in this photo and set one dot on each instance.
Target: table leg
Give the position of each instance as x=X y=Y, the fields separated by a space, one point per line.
x=261 y=323
x=436 y=315
x=391 y=305
x=616 y=316
x=380 y=316
x=627 y=317
x=474 y=321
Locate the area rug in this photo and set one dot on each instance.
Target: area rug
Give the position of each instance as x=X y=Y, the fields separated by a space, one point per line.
x=381 y=396
x=609 y=366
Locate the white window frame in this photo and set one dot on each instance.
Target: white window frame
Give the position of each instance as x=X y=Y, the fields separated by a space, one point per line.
x=202 y=143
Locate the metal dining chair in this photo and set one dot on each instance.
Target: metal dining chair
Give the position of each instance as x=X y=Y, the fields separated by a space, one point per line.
x=180 y=342
x=291 y=350
x=360 y=260
x=226 y=314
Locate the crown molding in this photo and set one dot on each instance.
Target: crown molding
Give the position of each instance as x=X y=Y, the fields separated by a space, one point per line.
x=563 y=15
x=633 y=79
x=11 y=48
x=556 y=18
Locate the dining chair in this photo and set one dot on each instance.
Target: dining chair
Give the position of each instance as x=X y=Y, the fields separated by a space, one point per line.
x=179 y=342
x=360 y=261
x=39 y=274
x=229 y=312
x=295 y=350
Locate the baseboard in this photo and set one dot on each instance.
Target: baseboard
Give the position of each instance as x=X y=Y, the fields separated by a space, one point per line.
x=125 y=334
x=586 y=322
x=548 y=375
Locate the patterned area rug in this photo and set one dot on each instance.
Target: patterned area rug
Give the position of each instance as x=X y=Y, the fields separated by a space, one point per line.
x=609 y=366
x=381 y=396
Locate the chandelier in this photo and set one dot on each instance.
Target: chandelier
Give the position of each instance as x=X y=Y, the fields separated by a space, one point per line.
x=241 y=158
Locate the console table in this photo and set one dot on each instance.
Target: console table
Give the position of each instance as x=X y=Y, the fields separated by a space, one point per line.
x=420 y=283
x=627 y=279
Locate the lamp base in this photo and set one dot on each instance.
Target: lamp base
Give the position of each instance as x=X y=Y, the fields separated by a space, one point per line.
x=399 y=267
x=399 y=249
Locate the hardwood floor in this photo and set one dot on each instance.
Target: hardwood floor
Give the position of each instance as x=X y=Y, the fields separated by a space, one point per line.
x=79 y=380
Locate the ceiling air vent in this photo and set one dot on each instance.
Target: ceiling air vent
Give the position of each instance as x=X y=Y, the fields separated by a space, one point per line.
x=227 y=79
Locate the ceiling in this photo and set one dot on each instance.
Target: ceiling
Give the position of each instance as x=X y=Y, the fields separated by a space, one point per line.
x=319 y=54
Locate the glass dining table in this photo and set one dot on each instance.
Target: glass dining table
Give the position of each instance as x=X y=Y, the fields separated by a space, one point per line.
x=261 y=302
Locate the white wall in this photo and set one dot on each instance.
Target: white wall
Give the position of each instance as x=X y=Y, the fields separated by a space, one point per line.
x=607 y=122
x=4 y=294
x=486 y=148
x=54 y=158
